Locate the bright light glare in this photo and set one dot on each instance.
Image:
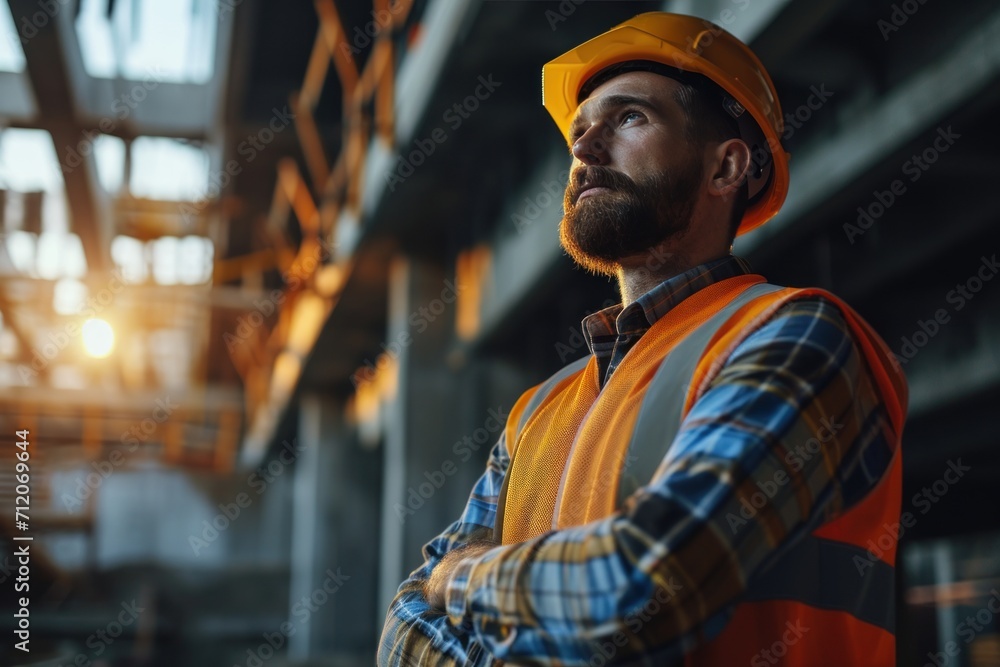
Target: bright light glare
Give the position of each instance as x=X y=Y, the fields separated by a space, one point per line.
x=68 y=296
x=98 y=338
x=168 y=169
x=173 y=41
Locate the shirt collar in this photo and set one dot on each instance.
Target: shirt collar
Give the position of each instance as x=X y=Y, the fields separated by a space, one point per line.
x=642 y=313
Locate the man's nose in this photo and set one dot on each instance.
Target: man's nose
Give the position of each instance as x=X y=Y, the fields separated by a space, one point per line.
x=592 y=147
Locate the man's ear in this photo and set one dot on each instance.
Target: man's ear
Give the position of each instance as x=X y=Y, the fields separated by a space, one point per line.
x=730 y=162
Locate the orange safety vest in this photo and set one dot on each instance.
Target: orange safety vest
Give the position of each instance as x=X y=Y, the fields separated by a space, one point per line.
x=570 y=465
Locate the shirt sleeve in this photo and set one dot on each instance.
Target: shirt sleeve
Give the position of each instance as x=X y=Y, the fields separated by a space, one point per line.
x=415 y=634
x=660 y=577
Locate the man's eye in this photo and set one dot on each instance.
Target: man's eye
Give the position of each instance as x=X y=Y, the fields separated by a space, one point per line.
x=630 y=115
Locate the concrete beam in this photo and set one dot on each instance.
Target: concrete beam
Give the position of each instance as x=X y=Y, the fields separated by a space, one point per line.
x=942 y=86
x=45 y=400
x=867 y=277
x=418 y=74
x=52 y=56
x=974 y=374
x=746 y=20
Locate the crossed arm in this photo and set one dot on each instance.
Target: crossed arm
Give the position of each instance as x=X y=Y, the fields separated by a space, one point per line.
x=664 y=574
x=417 y=633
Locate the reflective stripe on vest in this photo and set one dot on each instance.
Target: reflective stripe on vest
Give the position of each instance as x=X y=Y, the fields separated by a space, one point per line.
x=825 y=574
x=660 y=415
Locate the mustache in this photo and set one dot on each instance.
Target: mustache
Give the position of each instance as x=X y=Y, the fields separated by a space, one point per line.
x=596 y=176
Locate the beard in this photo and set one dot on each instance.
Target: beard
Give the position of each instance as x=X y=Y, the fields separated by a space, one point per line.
x=604 y=228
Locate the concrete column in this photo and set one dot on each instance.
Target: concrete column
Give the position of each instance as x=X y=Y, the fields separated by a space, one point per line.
x=334 y=536
x=422 y=420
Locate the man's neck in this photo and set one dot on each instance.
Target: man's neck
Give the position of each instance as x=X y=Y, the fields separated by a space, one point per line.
x=636 y=276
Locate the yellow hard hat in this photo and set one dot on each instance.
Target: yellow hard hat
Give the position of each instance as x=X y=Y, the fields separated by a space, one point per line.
x=692 y=45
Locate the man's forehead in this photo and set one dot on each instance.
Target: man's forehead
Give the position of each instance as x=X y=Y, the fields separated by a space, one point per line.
x=649 y=86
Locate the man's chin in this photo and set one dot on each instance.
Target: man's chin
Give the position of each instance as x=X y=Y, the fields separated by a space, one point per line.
x=595 y=265
x=591 y=260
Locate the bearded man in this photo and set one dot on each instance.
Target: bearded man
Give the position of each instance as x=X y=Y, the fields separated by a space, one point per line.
x=701 y=488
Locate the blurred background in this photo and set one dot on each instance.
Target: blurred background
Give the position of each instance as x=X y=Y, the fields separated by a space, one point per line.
x=273 y=273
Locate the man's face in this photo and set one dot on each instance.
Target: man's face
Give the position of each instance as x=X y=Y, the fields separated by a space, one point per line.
x=634 y=177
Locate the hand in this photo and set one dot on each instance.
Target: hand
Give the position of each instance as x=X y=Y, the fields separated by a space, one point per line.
x=437 y=584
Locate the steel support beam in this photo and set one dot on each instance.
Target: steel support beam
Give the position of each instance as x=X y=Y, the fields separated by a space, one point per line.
x=51 y=57
x=46 y=400
x=416 y=82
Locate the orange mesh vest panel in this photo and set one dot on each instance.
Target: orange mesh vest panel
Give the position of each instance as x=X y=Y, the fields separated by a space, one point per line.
x=577 y=450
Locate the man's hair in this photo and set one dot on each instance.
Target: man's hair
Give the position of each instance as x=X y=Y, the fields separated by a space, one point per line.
x=703 y=104
x=708 y=121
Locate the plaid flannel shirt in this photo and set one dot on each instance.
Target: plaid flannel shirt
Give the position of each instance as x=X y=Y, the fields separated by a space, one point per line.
x=570 y=595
